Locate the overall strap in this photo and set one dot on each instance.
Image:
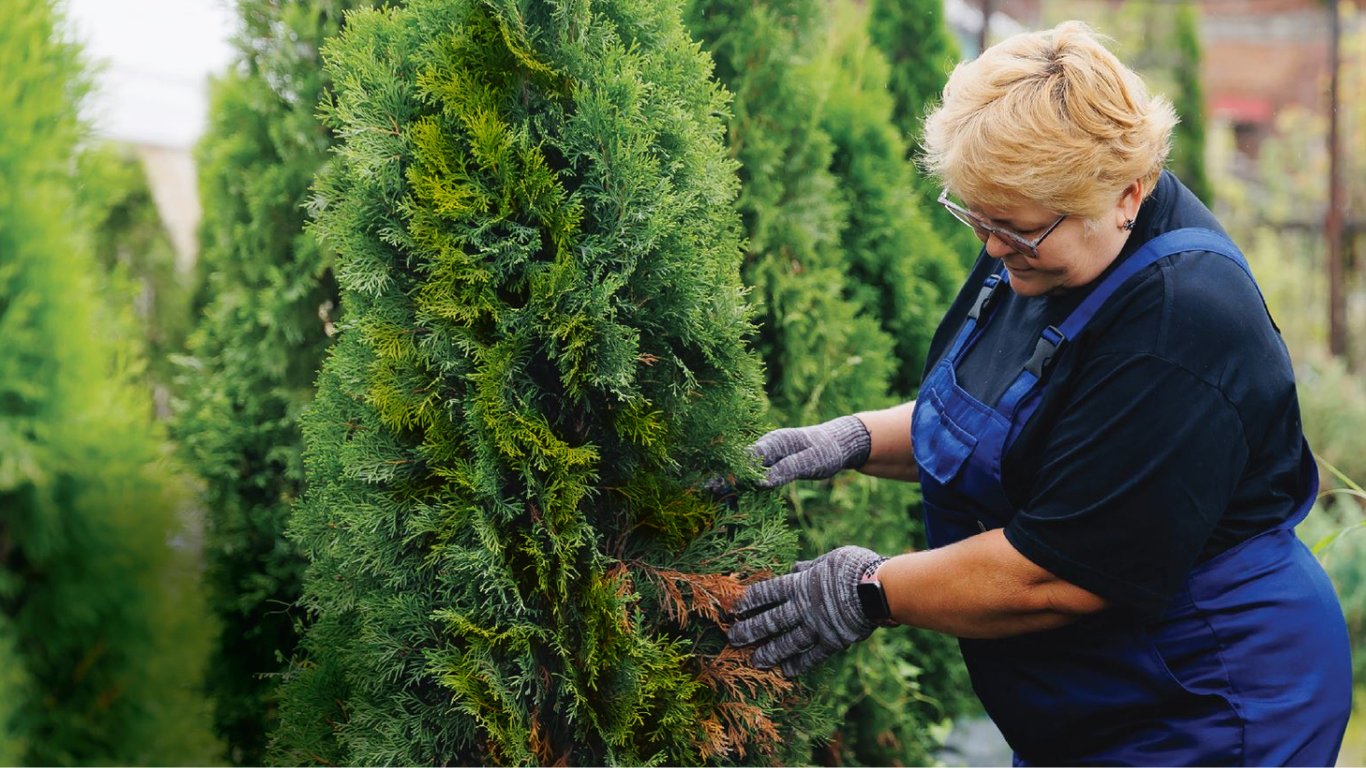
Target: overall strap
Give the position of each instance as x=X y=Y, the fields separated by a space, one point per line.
x=983 y=305
x=1166 y=244
x=1054 y=338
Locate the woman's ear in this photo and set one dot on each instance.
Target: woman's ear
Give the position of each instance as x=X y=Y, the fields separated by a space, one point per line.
x=1129 y=201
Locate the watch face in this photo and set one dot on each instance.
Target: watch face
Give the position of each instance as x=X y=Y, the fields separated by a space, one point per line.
x=874 y=602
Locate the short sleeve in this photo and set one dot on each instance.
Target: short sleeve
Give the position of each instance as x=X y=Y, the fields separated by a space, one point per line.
x=1133 y=479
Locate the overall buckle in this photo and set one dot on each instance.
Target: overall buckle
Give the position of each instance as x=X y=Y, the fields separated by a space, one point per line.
x=1049 y=342
x=984 y=295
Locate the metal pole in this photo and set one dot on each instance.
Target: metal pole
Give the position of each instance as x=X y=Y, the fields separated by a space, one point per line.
x=1332 y=224
x=988 y=7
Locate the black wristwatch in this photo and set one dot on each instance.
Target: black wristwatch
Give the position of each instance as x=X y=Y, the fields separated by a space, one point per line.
x=872 y=598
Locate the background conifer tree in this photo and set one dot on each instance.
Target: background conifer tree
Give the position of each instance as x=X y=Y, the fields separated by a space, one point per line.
x=1164 y=47
x=14 y=694
x=102 y=635
x=133 y=246
x=544 y=355
x=921 y=52
x=900 y=269
x=825 y=229
x=1188 y=140
x=823 y=354
x=269 y=306
x=903 y=273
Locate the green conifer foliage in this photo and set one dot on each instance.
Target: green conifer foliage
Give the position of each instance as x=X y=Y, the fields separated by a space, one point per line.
x=132 y=245
x=900 y=269
x=1163 y=45
x=921 y=52
x=905 y=681
x=824 y=355
x=1188 y=140
x=269 y=304
x=102 y=639
x=818 y=160
x=545 y=353
x=14 y=694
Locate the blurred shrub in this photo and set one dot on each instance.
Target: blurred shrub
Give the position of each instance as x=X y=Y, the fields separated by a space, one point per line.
x=132 y=244
x=920 y=52
x=1273 y=206
x=103 y=635
x=268 y=309
x=848 y=280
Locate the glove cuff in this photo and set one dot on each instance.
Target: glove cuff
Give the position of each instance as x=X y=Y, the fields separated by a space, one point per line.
x=854 y=565
x=851 y=434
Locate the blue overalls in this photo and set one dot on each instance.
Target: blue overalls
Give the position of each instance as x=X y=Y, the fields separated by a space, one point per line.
x=1249 y=666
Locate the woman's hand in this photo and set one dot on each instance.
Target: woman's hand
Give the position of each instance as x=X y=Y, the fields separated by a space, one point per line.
x=813 y=453
x=801 y=619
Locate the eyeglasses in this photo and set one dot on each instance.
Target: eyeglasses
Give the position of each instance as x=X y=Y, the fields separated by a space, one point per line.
x=984 y=230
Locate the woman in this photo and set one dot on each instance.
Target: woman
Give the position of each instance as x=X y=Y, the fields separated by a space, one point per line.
x=1109 y=446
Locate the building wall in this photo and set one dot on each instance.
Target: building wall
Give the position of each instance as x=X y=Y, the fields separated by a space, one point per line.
x=1261 y=57
x=171 y=175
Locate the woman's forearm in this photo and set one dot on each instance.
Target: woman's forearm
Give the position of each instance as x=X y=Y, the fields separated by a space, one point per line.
x=890 y=455
x=980 y=587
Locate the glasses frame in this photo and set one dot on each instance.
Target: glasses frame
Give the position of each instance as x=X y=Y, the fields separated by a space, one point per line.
x=984 y=231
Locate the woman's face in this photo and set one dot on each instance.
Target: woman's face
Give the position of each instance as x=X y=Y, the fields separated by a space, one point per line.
x=1070 y=256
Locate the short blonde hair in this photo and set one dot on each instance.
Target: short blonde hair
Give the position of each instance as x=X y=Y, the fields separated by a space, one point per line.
x=1049 y=117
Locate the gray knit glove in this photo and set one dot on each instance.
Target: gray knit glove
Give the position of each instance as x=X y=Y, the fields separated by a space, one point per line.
x=801 y=619
x=813 y=453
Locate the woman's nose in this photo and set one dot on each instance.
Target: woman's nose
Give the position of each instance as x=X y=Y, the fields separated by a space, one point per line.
x=997 y=247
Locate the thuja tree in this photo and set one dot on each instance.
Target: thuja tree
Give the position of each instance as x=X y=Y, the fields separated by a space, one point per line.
x=899 y=268
x=905 y=275
x=133 y=246
x=268 y=311
x=102 y=640
x=1164 y=47
x=13 y=695
x=1188 y=140
x=921 y=52
x=545 y=356
x=824 y=355
x=813 y=262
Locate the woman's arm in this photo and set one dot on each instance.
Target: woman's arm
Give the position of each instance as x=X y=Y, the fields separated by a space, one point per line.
x=977 y=588
x=981 y=587
x=890 y=455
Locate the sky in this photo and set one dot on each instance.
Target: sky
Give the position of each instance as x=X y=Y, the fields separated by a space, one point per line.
x=156 y=57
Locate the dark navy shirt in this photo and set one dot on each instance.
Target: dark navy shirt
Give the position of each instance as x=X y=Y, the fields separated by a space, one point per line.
x=1169 y=429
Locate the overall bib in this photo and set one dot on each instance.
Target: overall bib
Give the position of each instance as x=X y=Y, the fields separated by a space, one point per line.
x=1249 y=666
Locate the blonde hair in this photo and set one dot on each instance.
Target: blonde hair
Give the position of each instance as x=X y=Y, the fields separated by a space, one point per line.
x=1048 y=117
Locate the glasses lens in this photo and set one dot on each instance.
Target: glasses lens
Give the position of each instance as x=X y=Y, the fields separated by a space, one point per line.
x=967 y=218
x=1019 y=244
x=984 y=231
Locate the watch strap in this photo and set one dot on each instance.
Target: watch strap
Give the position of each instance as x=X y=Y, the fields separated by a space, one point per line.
x=871 y=596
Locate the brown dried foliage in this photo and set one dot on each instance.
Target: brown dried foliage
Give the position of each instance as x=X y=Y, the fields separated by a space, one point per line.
x=620 y=575
x=731 y=673
x=541 y=746
x=741 y=719
x=736 y=723
x=713 y=742
x=713 y=595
